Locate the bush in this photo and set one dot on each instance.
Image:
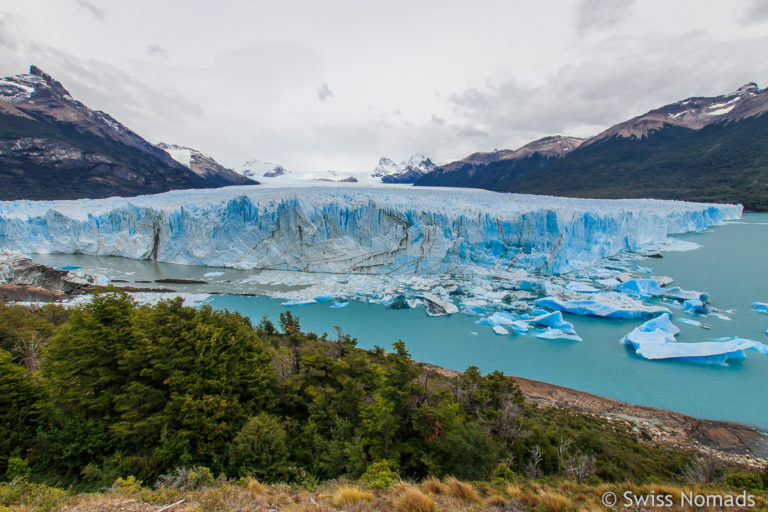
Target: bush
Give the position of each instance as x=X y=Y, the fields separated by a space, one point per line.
x=17 y=468
x=127 y=484
x=741 y=480
x=260 y=449
x=379 y=475
x=187 y=479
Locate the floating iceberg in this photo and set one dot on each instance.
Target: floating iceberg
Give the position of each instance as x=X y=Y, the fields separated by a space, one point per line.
x=336 y=229
x=655 y=339
x=604 y=306
x=339 y=305
x=500 y=330
x=299 y=302
x=437 y=306
x=581 y=288
x=555 y=320
x=558 y=334
x=760 y=307
x=640 y=288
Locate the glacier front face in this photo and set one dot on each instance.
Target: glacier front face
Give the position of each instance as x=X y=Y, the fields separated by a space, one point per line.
x=353 y=229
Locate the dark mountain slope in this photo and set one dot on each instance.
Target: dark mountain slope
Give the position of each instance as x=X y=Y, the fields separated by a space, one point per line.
x=54 y=147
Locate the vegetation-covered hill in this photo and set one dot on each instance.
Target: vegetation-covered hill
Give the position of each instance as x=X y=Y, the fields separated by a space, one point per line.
x=723 y=162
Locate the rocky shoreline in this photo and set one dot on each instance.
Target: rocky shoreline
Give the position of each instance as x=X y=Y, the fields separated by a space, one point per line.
x=729 y=442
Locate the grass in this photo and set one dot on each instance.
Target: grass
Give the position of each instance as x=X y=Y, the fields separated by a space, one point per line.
x=430 y=495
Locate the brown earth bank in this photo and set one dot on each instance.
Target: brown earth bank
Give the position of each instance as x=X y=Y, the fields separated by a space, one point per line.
x=727 y=441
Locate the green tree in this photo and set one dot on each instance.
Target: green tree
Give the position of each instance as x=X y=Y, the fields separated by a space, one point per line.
x=260 y=449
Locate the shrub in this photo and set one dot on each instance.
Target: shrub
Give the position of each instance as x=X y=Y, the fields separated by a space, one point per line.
x=413 y=500
x=379 y=475
x=255 y=487
x=17 y=468
x=347 y=496
x=127 y=484
x=187 y=479
x=741 y=480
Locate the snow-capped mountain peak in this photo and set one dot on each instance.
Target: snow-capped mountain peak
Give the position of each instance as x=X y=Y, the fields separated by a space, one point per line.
x=205 y=166
x=255 y=168
x=404 y=172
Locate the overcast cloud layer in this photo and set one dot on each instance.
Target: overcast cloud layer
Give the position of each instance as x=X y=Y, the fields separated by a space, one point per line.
x=338 y=84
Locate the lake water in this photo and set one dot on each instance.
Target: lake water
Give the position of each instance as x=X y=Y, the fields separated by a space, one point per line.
x=731 y=265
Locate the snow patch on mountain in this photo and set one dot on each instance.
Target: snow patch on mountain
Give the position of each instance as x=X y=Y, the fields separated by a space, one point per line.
x=405 y=172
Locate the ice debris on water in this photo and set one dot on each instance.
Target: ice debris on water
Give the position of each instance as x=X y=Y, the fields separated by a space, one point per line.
x=760 y=307
x=655 y=339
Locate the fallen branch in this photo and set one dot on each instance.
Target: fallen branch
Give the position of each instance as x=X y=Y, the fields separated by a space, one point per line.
x=169 y=507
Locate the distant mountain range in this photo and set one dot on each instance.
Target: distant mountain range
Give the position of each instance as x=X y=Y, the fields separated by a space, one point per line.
x=699 y=149
x=404 y=172
x=54 y=147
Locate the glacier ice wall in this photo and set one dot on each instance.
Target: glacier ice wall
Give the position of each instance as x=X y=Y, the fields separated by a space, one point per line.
x=376 y=230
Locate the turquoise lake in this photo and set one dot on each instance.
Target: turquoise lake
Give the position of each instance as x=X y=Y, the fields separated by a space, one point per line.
x=731 y=265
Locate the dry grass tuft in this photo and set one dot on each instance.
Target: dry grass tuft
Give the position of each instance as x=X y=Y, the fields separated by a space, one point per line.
x=348 y=495
x=513 y=491
x=495 y=500
x=413 y=500
x=461 y=490
x=554 y=502
x=255 y=487
x=434 y=486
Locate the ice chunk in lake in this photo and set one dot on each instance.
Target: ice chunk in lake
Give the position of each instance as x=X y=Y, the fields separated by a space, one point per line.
x=655 y=339
x=437 y=306
x=555 y=320
x=558 y=334
x=500 y=330
x=339 y=305
x=694 y=306
x=605 y=306
x=690 y=321
x=640 y=288
x=299 y=302
x=581 y=288
x=760 y=307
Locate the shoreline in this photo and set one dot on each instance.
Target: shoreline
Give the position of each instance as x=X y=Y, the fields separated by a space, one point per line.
x=726 y=441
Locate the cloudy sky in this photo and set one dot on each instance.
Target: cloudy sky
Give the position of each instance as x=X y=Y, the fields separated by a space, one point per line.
x=336 y=84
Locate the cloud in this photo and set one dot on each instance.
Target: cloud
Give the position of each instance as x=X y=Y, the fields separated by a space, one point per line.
x=324 y=93
x=155 y=50
x=584 y=97
x=596 y=15
x=96 y=12
x=437 y=119
x=754 y=11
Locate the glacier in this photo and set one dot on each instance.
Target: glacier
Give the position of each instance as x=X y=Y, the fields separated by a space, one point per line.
x=353 y=229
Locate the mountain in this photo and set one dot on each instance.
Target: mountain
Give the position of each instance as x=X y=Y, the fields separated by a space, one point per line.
x=205 y=166
x=405 y=172
x=260 y=169
x=54 y=147
x=708 y=149
x=467 y=171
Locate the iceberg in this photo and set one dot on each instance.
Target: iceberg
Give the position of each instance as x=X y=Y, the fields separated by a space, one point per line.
x=760 y=307
x=603 y=306
x=640 y=288
x=555 y=320
x=360 y=230
x=655 y=339
x=437 y=306
x=339 y=305
x=694 y=306
x=500 y=330
x=299 y=302
x=558 y=334
x=581 y=288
